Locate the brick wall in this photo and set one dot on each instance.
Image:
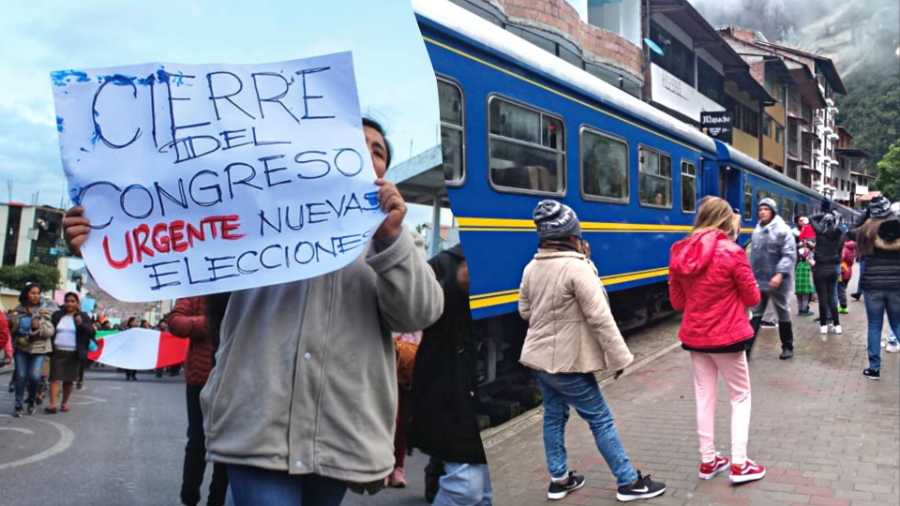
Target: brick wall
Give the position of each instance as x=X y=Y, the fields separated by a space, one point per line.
x=560 y=18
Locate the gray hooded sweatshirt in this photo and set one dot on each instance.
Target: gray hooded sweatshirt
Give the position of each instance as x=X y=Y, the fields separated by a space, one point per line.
x=305 y=380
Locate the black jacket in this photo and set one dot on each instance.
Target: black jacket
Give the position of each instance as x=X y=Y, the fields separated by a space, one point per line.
x=442 y=409
x=829 y=242
x=84 y=334
x=882 y=270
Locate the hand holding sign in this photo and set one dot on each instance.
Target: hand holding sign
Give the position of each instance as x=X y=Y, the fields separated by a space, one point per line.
x=198 y=179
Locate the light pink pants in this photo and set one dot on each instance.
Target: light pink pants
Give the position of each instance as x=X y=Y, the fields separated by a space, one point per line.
x=733 y=367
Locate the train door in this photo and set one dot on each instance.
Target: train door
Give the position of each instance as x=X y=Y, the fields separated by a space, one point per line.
x=723 y=182
x=730 y=186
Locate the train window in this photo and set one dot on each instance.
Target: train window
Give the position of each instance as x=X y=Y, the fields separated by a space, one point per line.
x=688 y=187
x=527 y=148
x=760 y=195
x=748 y=202
x=655 y=178
x=604 y=167
x=787 y=212
x=452 y=132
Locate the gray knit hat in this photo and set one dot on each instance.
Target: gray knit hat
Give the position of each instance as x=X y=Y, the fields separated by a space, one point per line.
x=880 y=207
x=555 y=221
x=770 y=203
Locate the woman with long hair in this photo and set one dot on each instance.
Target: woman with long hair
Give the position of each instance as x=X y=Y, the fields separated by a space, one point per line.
x=878 y=242
x=32 y=330
x=711 y=281
x=829 y=246
x=73 y=333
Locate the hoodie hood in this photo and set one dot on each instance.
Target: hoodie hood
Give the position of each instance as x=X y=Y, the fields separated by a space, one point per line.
x=692 y=256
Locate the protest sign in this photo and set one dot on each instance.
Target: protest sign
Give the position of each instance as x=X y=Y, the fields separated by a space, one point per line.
x=200 y=179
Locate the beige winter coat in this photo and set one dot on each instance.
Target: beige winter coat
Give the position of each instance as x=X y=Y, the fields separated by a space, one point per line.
x=571 y=328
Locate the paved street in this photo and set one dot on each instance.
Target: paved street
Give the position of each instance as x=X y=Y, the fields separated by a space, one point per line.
x=828 y=435
x=121 y=444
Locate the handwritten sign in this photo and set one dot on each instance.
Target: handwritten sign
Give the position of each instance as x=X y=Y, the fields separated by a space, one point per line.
x=200 y=179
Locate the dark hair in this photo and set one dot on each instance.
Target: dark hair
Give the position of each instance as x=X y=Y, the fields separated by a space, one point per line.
x=132 y=319
x=23 y=295
x=371 y=123
x=72 y=294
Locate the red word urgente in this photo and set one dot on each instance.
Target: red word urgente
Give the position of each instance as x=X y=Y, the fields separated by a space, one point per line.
x=176 y=236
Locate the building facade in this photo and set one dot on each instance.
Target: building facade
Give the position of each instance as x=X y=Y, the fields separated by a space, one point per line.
x=33 y=234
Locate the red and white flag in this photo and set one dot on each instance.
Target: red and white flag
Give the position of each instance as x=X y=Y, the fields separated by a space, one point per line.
x=139 y=349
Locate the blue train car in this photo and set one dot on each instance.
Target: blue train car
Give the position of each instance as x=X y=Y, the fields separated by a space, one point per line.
x=520 y=125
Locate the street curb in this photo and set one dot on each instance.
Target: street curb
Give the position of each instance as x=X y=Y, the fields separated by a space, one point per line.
x=496 y=435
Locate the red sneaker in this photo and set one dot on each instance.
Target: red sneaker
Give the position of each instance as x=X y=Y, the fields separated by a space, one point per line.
x=708 y=470
x=750 y=471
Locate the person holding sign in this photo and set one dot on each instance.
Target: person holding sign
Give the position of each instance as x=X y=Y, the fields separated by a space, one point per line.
x=330 y=426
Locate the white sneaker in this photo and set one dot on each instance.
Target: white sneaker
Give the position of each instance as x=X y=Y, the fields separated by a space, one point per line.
x=823 y=329
x=893 y=347
x=883 y=344
x=838 y=329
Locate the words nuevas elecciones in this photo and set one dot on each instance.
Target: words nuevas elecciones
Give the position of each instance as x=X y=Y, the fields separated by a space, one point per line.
x=200 y=179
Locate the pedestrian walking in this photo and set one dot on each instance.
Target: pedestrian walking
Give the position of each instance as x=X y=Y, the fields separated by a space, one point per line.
x=71 y=340
x=878 y=241
x=829 y=247
x=6 y=346
x=571 y=335
x=407 y=348
x=131 y=374
x=712 y=283
x=848 y=257
x=772 y=257
x=803 y=285
x=443 y=407
x=188 y=320
x=302 y=401
x=32 y=329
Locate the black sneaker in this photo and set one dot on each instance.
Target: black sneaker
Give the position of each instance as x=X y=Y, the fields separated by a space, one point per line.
x=642 y=488
x=30 y=404
x=18 y=413
x=786 y=354
x=856 y=295
x=560 y=489
x=768 y=325
x=872 y=375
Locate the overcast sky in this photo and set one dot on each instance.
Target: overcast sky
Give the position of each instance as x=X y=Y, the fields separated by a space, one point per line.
x=393 y=72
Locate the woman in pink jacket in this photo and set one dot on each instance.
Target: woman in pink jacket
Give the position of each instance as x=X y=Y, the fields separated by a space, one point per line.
x=710 y=279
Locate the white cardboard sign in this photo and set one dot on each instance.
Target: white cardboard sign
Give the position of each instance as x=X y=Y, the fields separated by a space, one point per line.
x=200 y=179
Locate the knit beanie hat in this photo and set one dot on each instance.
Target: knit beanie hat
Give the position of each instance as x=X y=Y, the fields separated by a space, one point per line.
x=880 y=207
x=555 y=221
x=770 y=203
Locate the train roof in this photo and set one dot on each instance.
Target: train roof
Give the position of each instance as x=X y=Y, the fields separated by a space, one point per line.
x=486 y=33
x=729 y=153
x=467 y=24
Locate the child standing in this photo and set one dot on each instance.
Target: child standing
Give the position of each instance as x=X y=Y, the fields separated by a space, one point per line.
x=848 y=256
x=803 y=285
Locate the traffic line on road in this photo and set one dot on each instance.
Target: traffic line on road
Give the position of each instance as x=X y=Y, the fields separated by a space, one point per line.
x=66 y=437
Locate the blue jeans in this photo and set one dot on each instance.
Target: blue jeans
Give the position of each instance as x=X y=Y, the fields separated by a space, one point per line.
x=877 y=303
x=582 y=393
x=28 y=372
x=464 y=485
x=252 y=486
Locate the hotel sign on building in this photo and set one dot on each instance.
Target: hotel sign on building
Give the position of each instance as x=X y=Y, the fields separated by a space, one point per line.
x=678 y=97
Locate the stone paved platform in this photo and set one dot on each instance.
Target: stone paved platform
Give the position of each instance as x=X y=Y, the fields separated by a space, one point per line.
x=827 y=435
